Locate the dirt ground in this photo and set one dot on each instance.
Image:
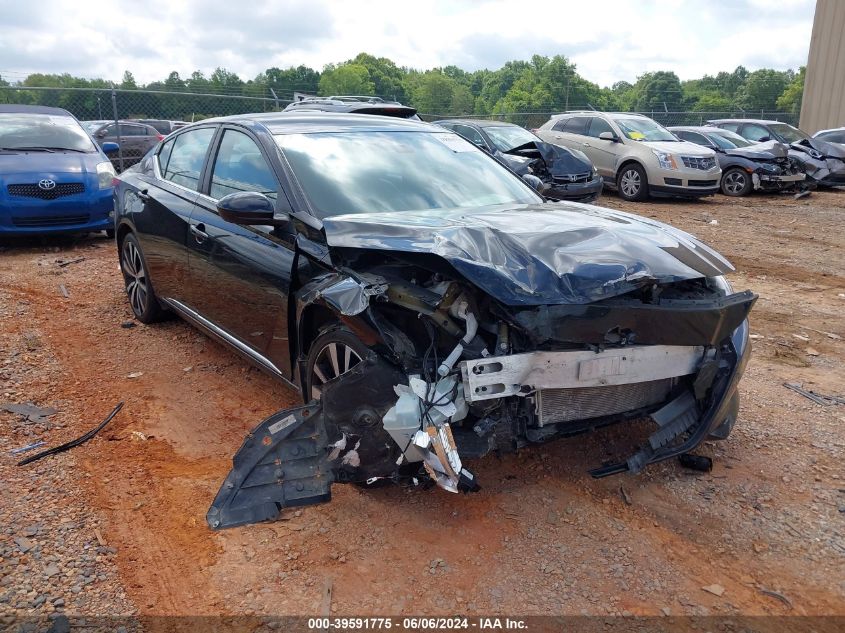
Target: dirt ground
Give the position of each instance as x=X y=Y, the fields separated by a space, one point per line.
x=765 y=529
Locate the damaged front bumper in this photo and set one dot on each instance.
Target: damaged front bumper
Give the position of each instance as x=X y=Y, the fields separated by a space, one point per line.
x=561 y=188
x=377 y=423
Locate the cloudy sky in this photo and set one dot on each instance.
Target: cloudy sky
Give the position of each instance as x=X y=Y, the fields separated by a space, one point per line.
x=609 y=40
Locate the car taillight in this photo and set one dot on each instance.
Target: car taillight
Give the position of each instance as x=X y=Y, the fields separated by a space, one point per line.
x=160 y=136
x=114 y=181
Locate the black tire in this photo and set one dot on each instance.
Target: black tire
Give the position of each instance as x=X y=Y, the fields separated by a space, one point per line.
x=139 y=285
x=110 y=233
x=324 y=364
x=632 y=183
x=736 y=182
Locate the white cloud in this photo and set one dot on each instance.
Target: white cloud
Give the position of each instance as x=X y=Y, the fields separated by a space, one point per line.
x=609 y=41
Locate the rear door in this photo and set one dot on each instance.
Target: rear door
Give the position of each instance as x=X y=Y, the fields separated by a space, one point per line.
x=241 y=275
x=160 y=208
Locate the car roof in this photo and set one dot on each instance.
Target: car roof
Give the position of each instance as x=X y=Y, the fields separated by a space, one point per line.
x=760 y=121
x=479 y=122
x=833 y=129
x=612 y=115
x=703 y=129
x=33 y=109
x=300 y=122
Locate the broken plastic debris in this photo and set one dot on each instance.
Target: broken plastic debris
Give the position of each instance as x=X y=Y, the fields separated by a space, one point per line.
x=30 y=411
x=28 y=447
x=135 y=374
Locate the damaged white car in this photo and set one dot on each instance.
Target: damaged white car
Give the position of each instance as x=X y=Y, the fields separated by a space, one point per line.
x=432 y=307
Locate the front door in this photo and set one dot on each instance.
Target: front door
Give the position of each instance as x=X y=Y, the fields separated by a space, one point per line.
x=603 y=153
x=241 y=275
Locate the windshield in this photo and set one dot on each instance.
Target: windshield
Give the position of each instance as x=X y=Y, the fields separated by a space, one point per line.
x=93 y=126
x=25 y=130
x=728 y=140
x=788 y=133
x=644 y=130
x=363 y=172
x=506 y=137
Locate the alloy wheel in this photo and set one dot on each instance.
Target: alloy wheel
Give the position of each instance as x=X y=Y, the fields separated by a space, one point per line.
x=735 y=182
x=333 y=360
x=135 y=276
x=630 y=183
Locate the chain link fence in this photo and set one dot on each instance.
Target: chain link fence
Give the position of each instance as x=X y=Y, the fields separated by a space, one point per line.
x=158 y=107
x=114 y=105
x=533 y=120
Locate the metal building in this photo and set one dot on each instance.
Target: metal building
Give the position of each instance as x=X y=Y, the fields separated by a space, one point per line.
x=823 y=105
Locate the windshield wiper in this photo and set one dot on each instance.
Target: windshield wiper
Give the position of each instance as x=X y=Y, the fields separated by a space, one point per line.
x=67 y=149
x=30 y=149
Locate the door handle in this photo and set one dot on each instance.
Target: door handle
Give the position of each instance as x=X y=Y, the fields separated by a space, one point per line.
x=587 y=145
x=199 y=234
x=558 y=136
x=143 y=195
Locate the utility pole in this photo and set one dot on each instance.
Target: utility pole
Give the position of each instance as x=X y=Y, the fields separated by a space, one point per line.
x=117 y=128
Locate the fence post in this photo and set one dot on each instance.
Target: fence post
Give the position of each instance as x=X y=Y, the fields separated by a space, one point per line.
x=117 y=127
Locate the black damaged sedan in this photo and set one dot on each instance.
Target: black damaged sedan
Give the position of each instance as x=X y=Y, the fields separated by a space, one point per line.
x=430 y=306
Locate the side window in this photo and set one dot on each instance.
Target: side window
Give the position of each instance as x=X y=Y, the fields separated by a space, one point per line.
x=559 y=125
x=109 y=130
x=694 y=137
x=470 y=134
x=754 y=132
x=733 y=127
x=164 y=155
x=577 y=125
x=239 y=166
x=597 y=126
x=187 y=156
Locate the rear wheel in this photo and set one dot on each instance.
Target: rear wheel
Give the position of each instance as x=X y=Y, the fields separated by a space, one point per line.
x=332 y=354
x=736 y=182
x=632 y=183
x=139 y=286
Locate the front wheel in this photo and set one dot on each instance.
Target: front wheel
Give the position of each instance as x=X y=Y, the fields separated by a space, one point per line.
x=332 y=354
x=632 y=183
x=139 y=286
x=736 y=182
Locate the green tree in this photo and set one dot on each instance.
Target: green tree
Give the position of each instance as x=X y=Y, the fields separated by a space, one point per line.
x=762 y=89
x=657 y=91
x=346 y=79
x=387 y=77
x=790 y=99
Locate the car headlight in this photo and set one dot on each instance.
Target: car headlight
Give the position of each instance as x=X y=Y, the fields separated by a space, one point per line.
x=665 y=160
x=721 y=283
x=105 y=173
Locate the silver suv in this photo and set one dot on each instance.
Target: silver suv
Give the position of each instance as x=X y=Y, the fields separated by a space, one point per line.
x=635 y=155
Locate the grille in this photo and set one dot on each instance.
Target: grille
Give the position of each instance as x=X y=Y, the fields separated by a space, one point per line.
x=694 y=162
x=566 y=405
x=51 y=220
x=34 y=191
x=701 y=183
x=567 y=180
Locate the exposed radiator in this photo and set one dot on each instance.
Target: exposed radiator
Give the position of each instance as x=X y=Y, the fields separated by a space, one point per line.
x=582 y=403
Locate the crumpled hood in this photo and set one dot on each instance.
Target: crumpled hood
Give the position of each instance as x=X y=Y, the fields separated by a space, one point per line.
x=541 y=254
x=769 y=150
x=832 y=150
x=560 y=161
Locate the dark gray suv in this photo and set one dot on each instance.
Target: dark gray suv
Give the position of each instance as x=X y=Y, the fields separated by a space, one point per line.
x=135 y=139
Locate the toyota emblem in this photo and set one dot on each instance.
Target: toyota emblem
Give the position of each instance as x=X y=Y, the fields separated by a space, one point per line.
x=46 y=184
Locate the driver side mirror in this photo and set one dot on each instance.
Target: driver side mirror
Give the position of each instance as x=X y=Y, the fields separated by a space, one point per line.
x=110 y=148
x=609 y=136
x=764 y=139
x=101 y=134
x=248 y=208
x=535 y=183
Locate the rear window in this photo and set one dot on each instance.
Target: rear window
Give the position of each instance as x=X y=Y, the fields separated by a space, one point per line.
x=42 y=131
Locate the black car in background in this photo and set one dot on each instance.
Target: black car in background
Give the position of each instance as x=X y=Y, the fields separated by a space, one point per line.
x=353 y=104
x=566 y=174
x=746 y=166
x=430 y=306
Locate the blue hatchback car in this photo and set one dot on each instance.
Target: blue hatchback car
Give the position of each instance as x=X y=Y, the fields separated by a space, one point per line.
x=53 y=177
